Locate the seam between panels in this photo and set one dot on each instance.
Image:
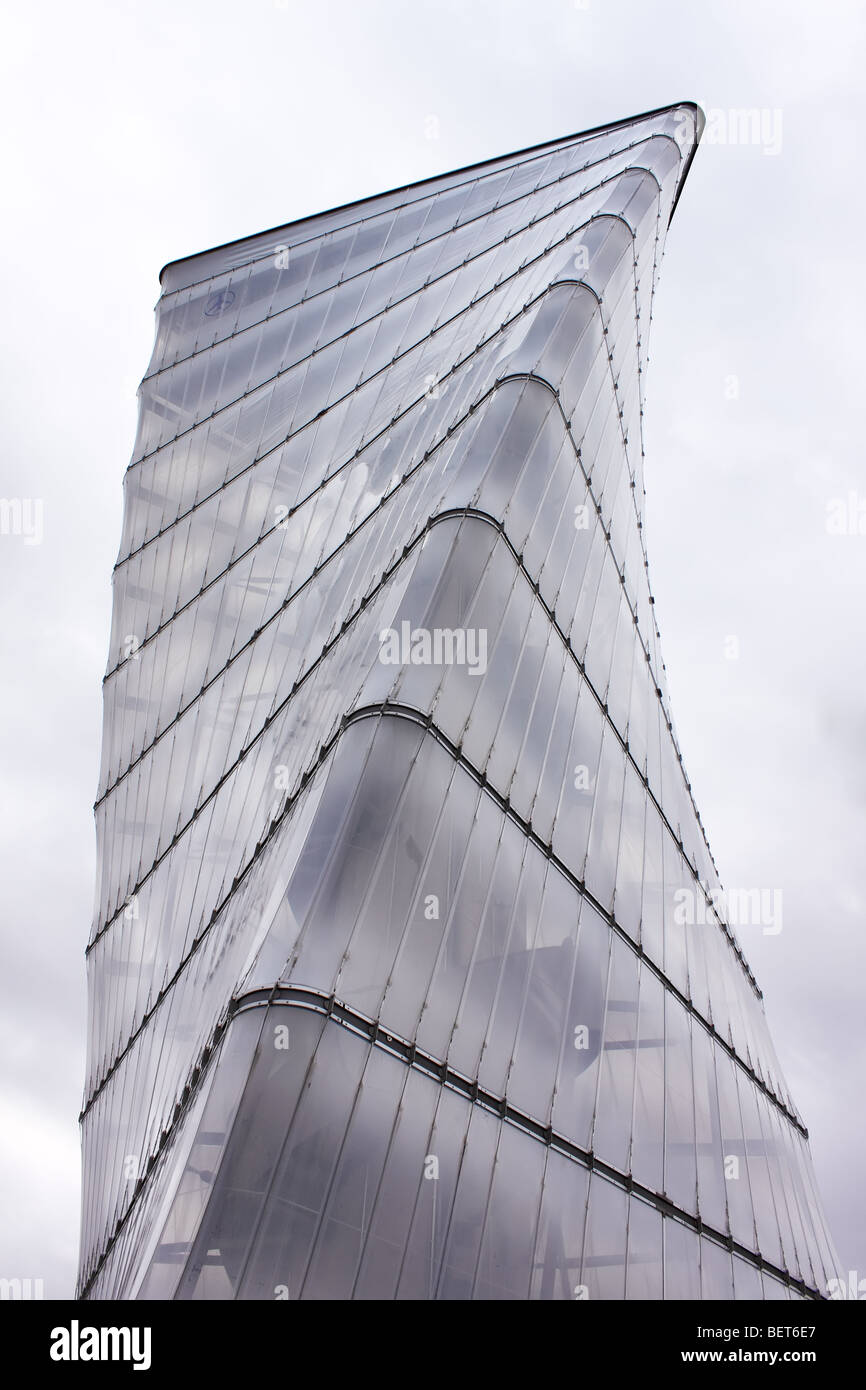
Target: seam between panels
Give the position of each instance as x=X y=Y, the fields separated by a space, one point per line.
x=428 y=1129
x=319 y=489
x=639 y=385
x=520 y=160
x=229 y=405
x=407 y=252
x=257 y=1224
x=485 y=1188
x=641 y=392
x=395 y=710
x=415 y=1058
x=438 y=518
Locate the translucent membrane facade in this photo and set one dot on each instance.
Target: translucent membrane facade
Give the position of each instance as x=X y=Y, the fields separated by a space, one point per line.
x=389 y=992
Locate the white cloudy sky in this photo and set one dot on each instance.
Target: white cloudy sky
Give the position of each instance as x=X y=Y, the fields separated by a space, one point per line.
x=135 y=133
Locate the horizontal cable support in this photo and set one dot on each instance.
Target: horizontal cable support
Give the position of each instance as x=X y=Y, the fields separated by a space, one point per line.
x=378 y=1036
x=389 y=709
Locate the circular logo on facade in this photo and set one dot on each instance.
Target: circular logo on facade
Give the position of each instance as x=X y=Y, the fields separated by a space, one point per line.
x=218 y=302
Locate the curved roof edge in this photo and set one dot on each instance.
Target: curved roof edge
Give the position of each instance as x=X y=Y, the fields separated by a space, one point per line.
x=700 y=121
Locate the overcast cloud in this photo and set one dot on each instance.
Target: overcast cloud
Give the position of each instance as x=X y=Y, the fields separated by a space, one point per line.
x=136 y=133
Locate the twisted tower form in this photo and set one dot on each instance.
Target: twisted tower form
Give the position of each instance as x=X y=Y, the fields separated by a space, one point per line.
x=409 y=975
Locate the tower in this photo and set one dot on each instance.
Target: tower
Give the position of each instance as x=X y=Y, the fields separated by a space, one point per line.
x=410 y=974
